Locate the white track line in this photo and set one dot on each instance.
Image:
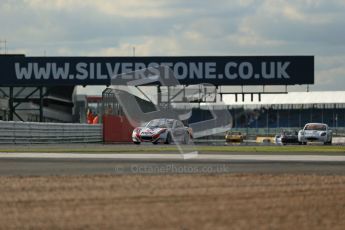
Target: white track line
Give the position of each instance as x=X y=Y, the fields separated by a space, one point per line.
x=169 y=156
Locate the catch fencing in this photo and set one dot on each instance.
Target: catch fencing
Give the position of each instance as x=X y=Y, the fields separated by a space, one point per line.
x=12 y=132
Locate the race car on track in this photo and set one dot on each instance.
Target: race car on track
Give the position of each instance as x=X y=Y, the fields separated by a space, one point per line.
x=315 y=132
x=286 y=137
x=162 y=130
x=232 y=136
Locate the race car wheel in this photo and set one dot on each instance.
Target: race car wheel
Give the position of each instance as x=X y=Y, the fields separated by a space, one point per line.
x=168 y=139
x=137 y=143
x=328 y=142
x=155 y=142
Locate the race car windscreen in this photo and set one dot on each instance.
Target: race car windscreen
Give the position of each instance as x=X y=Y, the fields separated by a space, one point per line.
x=316 y=127
x=160 y=123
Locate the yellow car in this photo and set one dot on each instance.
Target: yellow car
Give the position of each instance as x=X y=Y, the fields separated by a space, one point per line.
x=231 y=136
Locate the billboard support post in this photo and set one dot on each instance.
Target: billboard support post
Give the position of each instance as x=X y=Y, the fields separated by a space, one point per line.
x=41 y=104
x=10 y=116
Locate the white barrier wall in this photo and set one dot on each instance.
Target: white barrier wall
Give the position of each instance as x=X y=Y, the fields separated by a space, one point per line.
x=12 y=132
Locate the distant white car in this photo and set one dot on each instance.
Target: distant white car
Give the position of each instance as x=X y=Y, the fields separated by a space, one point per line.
x=315 y=132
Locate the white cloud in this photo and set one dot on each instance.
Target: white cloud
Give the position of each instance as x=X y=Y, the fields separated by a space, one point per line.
x=144 y=46
x=295 y=11
x=330 y=70
x=128 y=8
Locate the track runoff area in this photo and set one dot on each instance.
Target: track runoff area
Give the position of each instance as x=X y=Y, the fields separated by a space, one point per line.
x=156 y=187
x=162 y=159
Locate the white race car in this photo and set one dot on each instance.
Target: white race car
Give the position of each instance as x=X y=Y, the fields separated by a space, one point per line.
x=162 y=130
x=315 y=132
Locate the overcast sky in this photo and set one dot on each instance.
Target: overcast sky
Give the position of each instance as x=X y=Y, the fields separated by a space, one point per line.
x=181 y=27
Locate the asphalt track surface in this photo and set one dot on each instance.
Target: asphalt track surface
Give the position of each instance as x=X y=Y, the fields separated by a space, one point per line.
x=46 y=164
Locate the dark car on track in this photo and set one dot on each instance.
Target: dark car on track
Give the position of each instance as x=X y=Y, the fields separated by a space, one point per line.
x=287 y=137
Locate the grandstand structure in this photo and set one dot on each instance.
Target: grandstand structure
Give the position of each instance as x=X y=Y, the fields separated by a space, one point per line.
x=293 y=109
x=275 y=112
x=45 y=104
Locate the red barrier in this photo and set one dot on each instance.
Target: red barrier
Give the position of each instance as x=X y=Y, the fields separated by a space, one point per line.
x=116 y=129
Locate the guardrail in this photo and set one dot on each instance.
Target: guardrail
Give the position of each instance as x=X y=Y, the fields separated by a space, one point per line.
x=12 y=132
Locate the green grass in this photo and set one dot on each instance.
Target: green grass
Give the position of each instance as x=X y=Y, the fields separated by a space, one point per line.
x=162 y=148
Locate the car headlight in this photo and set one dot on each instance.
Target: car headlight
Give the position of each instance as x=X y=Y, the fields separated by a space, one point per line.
x=323 y=134
x=136 y=132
